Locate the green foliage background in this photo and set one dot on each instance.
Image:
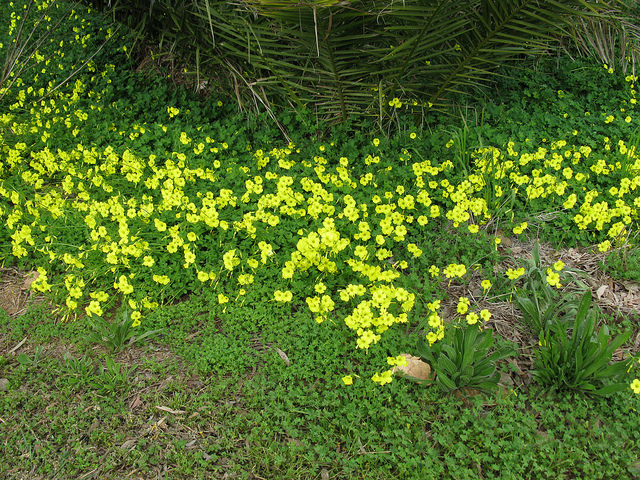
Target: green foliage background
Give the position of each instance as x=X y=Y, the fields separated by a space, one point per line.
x=345 y=58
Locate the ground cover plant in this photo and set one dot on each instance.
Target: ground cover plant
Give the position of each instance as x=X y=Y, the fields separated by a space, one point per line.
x=296 y=274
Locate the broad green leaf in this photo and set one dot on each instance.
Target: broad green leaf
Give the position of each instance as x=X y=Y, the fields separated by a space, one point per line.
x=612 y=388
x=444 y=364
x=445 y=381
x=468 y=343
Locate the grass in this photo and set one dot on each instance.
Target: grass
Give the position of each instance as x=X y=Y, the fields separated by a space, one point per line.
x=70 y=415
x=624 y=263
x=255 y=327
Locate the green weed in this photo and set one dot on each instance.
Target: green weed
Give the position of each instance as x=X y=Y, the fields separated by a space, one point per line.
x=464 y=359
x=574 y=355
x=118 y=333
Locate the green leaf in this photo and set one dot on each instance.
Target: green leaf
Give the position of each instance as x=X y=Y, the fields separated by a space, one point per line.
x=583 y=307
x=488 y=385
x=484 y=371
x=24 y=359
x=445 y=365
x=483 y=343
x=445 y=381
x=501 y=353
x=611 y=388
x=424 y=350
x=468 y=352
x=453 y=354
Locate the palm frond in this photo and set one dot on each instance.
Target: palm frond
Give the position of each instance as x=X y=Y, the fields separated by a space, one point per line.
x=335 y=55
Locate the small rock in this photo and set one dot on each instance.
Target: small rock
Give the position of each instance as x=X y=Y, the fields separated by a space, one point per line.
x=4 y=384
x=415 y=368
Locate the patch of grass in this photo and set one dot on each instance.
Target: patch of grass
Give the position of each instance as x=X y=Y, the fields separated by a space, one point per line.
x=292 y=422
x=624 y=264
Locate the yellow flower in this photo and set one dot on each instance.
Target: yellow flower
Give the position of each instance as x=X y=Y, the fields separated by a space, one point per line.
x=123 y=285
x=75 y=292
x=414 y=250
x=245 y=279
x=472 y=318
x=553 y=278
x=455 y=270
x=604 y=246
x=160 y=225
x=203 y=276
x=635 y=386
x=230 y=260
x=515 y=274
x=361 y=252
x=94 y=308
x=434 y=271
x=400 y=361
x=486 y=284
x=395 y=103
x=348 y=380
x=162 y=279
x=383 y=378
x=520 y=228
x=376 y=142
x=463 y=305
x=284 y=297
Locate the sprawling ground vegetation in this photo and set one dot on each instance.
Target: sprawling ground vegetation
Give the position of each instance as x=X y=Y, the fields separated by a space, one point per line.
x=189 y=289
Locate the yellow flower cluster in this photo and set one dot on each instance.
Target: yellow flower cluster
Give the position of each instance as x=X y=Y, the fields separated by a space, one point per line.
x=320 y=306
x=455 y=270
x=514 y=274
x=553 y=277
x=198 y=214
x=281 y=296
